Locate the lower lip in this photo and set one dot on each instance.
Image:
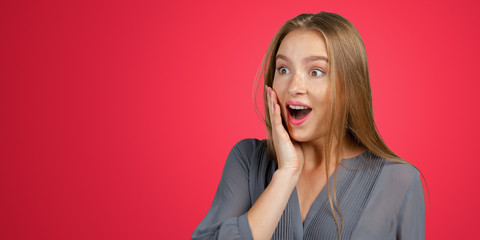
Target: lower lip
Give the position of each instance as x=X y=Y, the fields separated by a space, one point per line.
x=295 y=121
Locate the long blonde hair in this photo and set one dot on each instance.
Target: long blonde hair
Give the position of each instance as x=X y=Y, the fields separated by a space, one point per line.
x=350 y=113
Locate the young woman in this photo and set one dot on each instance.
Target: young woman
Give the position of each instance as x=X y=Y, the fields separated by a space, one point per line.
x=324 y=172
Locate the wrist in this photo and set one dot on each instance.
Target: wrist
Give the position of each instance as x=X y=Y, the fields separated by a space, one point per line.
x=290 y=169
x=287 y=174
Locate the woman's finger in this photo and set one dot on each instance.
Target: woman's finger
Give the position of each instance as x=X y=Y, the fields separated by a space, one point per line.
x=276 y=113
x=270 y=106
x=270 y=98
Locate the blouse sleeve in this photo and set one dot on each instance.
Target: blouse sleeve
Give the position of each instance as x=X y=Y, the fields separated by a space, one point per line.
x=412 y=213
x=227 y=216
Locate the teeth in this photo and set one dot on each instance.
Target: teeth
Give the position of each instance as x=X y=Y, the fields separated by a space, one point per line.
x=297 y=107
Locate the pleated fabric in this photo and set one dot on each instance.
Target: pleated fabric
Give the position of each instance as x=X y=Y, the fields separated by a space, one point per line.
x=356 y=177
x=377 y=198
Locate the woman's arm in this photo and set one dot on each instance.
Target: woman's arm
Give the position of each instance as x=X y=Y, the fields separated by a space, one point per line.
x=227 y=216
x=231 y=216
x=412 y=213
x=264 y=215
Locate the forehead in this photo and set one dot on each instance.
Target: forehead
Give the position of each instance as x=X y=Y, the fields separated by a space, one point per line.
x=301 y=43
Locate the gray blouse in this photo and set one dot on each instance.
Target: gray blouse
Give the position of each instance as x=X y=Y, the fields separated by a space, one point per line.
x=378 y=199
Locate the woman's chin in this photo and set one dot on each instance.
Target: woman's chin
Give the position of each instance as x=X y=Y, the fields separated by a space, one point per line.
x=299 y=135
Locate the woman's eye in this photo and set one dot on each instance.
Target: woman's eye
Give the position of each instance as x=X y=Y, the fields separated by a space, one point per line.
x=316 y=73
x=283 y=70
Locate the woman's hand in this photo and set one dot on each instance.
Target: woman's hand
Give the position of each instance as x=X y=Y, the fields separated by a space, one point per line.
x=289 y=153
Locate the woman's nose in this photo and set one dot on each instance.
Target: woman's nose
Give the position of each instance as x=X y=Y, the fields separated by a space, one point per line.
x=297 y=85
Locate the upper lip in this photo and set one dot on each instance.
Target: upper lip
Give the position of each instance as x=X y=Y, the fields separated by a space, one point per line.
x=296 y=103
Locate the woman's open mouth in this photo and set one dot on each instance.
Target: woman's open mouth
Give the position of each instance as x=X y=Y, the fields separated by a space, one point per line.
x=297 y=114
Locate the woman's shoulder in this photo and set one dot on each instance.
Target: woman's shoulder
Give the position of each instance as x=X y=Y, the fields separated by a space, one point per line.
x=248 y=145
x=397 y=176
x=401 y=173
x=398 y=170
x=249 y=149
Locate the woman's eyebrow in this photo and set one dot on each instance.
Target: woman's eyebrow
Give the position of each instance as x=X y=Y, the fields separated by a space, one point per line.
x=307 y=59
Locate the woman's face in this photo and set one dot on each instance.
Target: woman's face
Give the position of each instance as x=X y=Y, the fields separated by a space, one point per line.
x=301 y=83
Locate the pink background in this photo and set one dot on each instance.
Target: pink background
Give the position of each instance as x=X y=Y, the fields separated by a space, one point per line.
x=116 y=117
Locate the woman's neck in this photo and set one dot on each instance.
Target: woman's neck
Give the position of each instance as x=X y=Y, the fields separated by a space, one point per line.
x=314 y=153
